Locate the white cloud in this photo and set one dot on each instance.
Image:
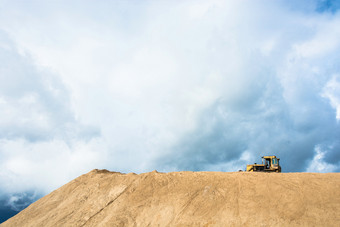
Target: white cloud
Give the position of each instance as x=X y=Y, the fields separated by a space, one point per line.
x=318 y=164
x=332 y=92
x=46 y=165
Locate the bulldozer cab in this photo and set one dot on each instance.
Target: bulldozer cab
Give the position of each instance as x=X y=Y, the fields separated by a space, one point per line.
x=267 y=163
x=270 y=162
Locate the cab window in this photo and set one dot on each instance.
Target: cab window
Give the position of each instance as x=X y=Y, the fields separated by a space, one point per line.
x=274 y=161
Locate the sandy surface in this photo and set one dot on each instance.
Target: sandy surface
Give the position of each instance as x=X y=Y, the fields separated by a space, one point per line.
x=103 y=198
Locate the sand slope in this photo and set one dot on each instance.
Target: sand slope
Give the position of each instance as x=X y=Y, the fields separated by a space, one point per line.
x=103 y=198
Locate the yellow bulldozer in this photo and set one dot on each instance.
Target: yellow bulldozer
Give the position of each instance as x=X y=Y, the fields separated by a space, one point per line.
x=269 y=164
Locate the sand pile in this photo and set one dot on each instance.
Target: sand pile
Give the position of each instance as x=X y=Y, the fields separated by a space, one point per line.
x=103 y=198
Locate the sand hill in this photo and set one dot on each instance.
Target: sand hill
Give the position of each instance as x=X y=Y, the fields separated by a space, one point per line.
x=103 y=198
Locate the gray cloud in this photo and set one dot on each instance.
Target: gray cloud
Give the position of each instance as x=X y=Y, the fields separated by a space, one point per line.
x=39 y=135
x=35 y=104
x=36 y=120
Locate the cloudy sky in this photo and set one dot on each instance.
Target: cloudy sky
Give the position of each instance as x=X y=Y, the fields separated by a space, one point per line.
x=134 y=86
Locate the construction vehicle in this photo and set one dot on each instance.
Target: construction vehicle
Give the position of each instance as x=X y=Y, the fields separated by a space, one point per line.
x=269 y=164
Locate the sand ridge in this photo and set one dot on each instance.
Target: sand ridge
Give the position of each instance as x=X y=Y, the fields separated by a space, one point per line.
x=104 y=198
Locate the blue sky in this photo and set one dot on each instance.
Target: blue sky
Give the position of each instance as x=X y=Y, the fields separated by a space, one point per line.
x=134 y=86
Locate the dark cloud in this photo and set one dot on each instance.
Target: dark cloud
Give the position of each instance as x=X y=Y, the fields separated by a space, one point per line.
x=223 y=135
x=11 y=204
